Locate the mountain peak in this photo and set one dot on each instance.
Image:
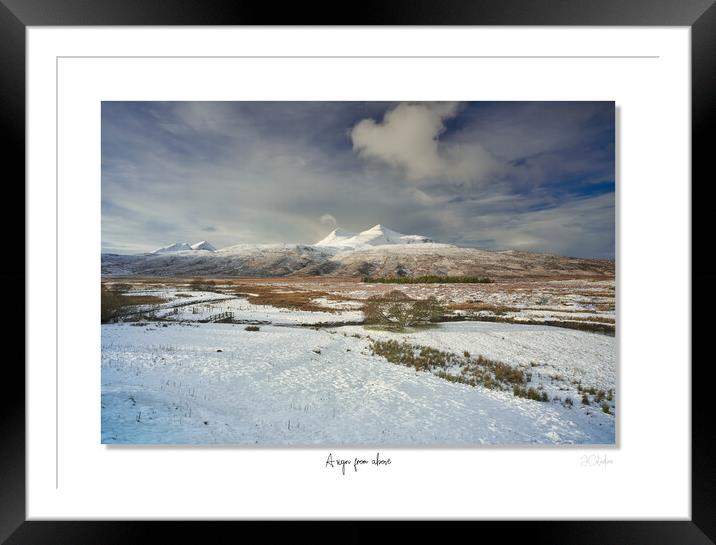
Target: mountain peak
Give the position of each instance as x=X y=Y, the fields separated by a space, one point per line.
x=184 y=247
x=335 y=238
x=203 y=245
x=176 y=247
x=378 y=235
x=342 y=232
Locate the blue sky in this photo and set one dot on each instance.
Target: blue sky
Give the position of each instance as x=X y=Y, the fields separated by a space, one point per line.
x=535 y=176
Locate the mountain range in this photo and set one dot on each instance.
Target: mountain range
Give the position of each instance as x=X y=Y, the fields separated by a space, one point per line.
x=377 y=251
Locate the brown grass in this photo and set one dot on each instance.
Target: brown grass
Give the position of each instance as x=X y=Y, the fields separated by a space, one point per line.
x=599 y=319
x=280 y=297
x=605 y=328
x=144 y=299
x=116 y=303
x=288 y=293
x=297 y=293
x=474 y=371
x=477 y=307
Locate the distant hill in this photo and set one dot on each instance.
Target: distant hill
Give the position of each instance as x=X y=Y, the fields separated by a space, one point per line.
x=378 y=251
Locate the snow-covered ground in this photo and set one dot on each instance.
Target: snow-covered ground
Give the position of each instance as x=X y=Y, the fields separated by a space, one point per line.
x=556 y=357
x=242 y=310
x=189 y=382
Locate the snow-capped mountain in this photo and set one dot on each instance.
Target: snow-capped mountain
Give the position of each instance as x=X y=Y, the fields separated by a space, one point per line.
x=378 y=251
x=377 y=235
x=335 y=238
x=176 y=247
x=185 y=247
x=203 y=245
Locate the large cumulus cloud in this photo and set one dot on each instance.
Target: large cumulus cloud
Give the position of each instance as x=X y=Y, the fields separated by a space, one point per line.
x=408 y=137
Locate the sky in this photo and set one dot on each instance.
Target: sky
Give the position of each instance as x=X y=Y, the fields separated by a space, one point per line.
x=534 y=176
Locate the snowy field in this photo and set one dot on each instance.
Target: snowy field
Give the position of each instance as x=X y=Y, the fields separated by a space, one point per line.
x=243 y=310
x=303 y=379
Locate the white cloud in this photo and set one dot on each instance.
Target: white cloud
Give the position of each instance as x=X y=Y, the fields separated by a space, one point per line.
x=328 y=219
x=408 y=138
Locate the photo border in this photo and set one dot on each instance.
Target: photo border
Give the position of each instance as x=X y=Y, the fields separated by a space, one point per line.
x=700 y=15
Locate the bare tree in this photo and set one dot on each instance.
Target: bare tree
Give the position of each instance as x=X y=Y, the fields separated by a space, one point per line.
x=399 y=310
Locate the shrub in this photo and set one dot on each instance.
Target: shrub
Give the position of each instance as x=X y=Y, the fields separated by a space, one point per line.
x=507 y=373
x=530 y=393
x=428 y=279
x=427 y=310
x=605 y=407
x=113 y=304
x=252 y=328
x=399 y=310
x=456 y=378
x=585 y=399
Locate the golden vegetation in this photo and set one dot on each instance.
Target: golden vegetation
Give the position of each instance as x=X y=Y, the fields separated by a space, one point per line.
x=116 y=302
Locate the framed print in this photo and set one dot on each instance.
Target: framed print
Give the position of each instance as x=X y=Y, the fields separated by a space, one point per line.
x=322 y=309
x=330 y=269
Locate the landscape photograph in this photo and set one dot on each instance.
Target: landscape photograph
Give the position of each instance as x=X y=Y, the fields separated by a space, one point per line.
x=358 y=273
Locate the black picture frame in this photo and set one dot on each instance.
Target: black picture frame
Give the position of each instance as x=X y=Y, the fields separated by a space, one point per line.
x=699 y=15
